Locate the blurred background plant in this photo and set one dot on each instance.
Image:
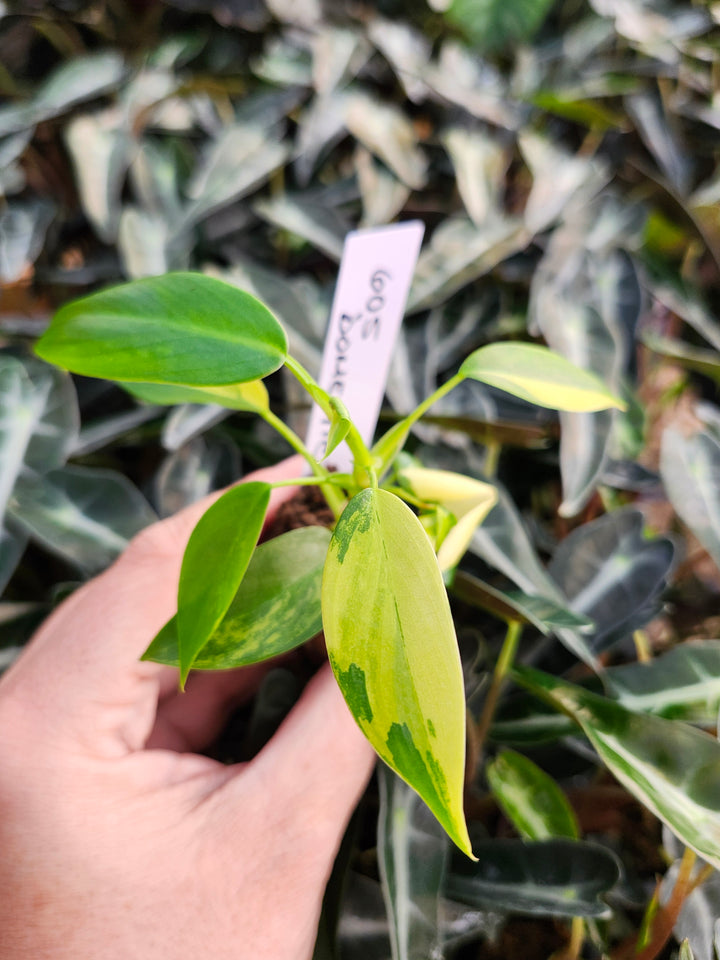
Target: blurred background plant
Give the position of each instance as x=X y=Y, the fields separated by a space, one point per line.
x=564 y=158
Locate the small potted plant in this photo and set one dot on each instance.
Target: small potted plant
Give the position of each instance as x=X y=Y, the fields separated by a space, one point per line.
x=375 y=584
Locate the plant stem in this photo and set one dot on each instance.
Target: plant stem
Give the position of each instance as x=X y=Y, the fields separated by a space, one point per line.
x=334 y=499
x=492 y=457
x=642 y=646
x=571 y=950
x=433 y=398
x=502 y=668
x=390 y=444
x=358 y=448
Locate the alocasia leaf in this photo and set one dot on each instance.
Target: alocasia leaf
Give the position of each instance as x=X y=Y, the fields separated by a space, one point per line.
x=672 y=768
x=555 y=878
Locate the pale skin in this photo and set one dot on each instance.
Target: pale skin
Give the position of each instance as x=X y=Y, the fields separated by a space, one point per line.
x=117 y=840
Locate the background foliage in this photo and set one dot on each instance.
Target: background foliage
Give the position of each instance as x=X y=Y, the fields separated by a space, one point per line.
x=563 y=157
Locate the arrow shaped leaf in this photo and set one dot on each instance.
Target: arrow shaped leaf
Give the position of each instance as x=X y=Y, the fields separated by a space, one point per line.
x=672 y=768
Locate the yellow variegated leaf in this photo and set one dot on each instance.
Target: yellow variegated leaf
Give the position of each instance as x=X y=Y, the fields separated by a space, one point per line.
x=469 y=500
x=236 y=396
x=392 y=647
x=453 y=547
x=539 y=375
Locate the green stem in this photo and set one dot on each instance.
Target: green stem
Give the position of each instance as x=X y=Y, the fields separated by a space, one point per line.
x=492 y=457
x=390 y=444
x=434 y=397
x=333 y=497
x=358 y=448
x=502 y=668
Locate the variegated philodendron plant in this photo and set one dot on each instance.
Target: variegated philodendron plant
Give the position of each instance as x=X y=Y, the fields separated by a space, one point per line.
x=375 y=585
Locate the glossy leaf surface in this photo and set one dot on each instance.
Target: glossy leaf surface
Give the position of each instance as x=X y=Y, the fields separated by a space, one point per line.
x=542 y=612
x=612 y=573
x=690 y=470
x=530 y=798
x=682 y=684
x=393 y=649
x=88 y=516
x=276 y=607
x=672 y=768
x=412 y=856
x=214 y=563
x=539 y=376
x=555 y=878
x=39 y=421
x=182 y=328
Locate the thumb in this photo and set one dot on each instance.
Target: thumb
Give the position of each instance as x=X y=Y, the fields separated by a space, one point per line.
x=310 y=775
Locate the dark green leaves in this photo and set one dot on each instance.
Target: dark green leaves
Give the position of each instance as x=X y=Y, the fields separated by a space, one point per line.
x=673 y=769
x=560 y=878
x=215 y=561
x=182 y=328
x=276 y=607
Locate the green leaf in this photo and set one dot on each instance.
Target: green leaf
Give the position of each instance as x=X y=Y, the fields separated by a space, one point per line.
x=467 y=499
x=340 y=424
x=703 y=361
x=682 y=684
x=543 y=613
x=494 y=24
x=546 y=878
x=532 y=801
x=214 y=563
x=393 y=649
x=690 y=468
x=181 y=328
x=276 y=607
x=672 y=768
x=39 y=421
x=504 y=542
x=87 y=516
x=539 y=376
x=412 y=856
x=611 y=572
x=235 y=396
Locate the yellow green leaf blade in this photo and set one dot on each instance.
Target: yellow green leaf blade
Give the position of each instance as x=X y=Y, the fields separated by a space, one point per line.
x=467 y=499
x=539 y=375
x=235 y=396
x=339 y=425
x=392 y=647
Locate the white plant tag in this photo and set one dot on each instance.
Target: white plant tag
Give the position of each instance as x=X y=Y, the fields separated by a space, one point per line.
x=372 y=289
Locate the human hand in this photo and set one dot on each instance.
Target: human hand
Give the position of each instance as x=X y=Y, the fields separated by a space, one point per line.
x=117 y=841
